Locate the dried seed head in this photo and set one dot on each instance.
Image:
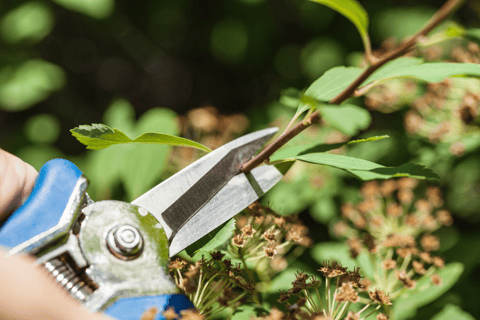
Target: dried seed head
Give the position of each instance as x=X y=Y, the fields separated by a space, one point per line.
x=352 y=316
x=190 y=314
x=348 y=210
x=283 y=297
x=238 y=240
x=346 y=293
x=444 y=217
x=355 y=246
x=388 y=187
x=381 y=316
x=188 y=285
x=151 y=313
x=364 y=284
x=425 y=256
x=367 y=205
x=279 y=263
x=404 y=252
x=430 y=242
x=411 y=220
x=394 y=210
x=429 y=222
x=340 y=228
x=405 y=196
x=354 y=277
x=407 y=183
x=217 y=255
x=177 y=264
x=423 y=205
x=269 y=235
x=270 y=250
x=280 y=222
x=370 y=189
x=248 y=231
x=333 y=269
x=405 y=279
x=436 y=280
x=438 y=262
x=369 y=242
x=399 y=240
x=457 y=148
x=380 y=297
x=389 y=264
x=419 y=267
x=434 y=196
x=168 y=314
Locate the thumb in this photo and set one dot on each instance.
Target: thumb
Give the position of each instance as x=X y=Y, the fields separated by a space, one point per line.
x=29 y=292
x=17 y=179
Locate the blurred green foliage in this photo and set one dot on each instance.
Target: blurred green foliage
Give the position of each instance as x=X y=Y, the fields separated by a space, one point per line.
x=139 y=66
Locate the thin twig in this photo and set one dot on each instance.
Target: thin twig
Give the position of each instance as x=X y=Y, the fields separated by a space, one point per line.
x=447 y=9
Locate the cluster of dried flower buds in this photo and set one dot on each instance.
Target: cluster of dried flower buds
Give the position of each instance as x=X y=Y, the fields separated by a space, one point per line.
x=266 y=238
x=332 y=302
x=446 y=111
x=212 y=285
x=392 y=224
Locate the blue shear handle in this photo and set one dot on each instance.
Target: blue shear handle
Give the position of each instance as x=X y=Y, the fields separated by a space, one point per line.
x=133 y=308
x=45 y=205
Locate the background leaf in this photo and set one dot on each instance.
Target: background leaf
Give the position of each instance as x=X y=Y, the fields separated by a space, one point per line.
x=291 y=152
x=426 y=292
x=450 y=312
x=367 y=170
x=347 y=118
x=352 y=10
x=430 y=72
x=99 y=136
x=332 y=83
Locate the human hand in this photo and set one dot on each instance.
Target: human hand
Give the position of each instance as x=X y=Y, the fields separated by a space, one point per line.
x=27 y=290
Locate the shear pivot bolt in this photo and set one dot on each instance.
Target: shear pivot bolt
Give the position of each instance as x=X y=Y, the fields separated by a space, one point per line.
x=125 y=242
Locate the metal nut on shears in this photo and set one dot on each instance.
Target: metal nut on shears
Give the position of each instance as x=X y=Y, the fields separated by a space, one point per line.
x=125 y=242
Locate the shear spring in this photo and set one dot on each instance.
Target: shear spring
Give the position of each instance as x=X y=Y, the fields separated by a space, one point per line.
x=67 y=277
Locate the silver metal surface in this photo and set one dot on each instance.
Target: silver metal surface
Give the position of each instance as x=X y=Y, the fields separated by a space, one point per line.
x=68 y=218
x=146 y=275
x=176 y=200
x=125 y=242
x=66 y=277
x=240 y=191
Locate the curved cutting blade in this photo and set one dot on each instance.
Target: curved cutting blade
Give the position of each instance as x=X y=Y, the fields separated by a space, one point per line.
x=236 y=195
x=177 y=199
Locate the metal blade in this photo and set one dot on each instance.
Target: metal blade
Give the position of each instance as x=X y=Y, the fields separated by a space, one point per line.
x=174 y=201
x=236 y=195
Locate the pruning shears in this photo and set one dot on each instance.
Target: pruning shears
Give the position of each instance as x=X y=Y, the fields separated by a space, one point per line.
x=112 y=256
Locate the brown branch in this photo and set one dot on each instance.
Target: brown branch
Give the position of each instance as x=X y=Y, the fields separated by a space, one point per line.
x=446 y=10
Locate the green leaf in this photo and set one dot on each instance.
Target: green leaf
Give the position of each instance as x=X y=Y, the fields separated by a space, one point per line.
x=337 y=79
x=347 y=118
x=99 y=136
x=430 y=72
x=450 y=312
x=214 y=239
x=292 y=152
x=367 y=170
x=332 y=83
x=353 y=11
x=426 y=292
x=474 y=34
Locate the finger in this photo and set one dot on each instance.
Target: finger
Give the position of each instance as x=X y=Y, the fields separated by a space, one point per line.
x=29 y=292
x=17 y=179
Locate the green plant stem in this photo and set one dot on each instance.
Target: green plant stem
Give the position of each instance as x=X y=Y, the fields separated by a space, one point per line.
x=255 y=295
x=368 y=315
x=447 y=9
